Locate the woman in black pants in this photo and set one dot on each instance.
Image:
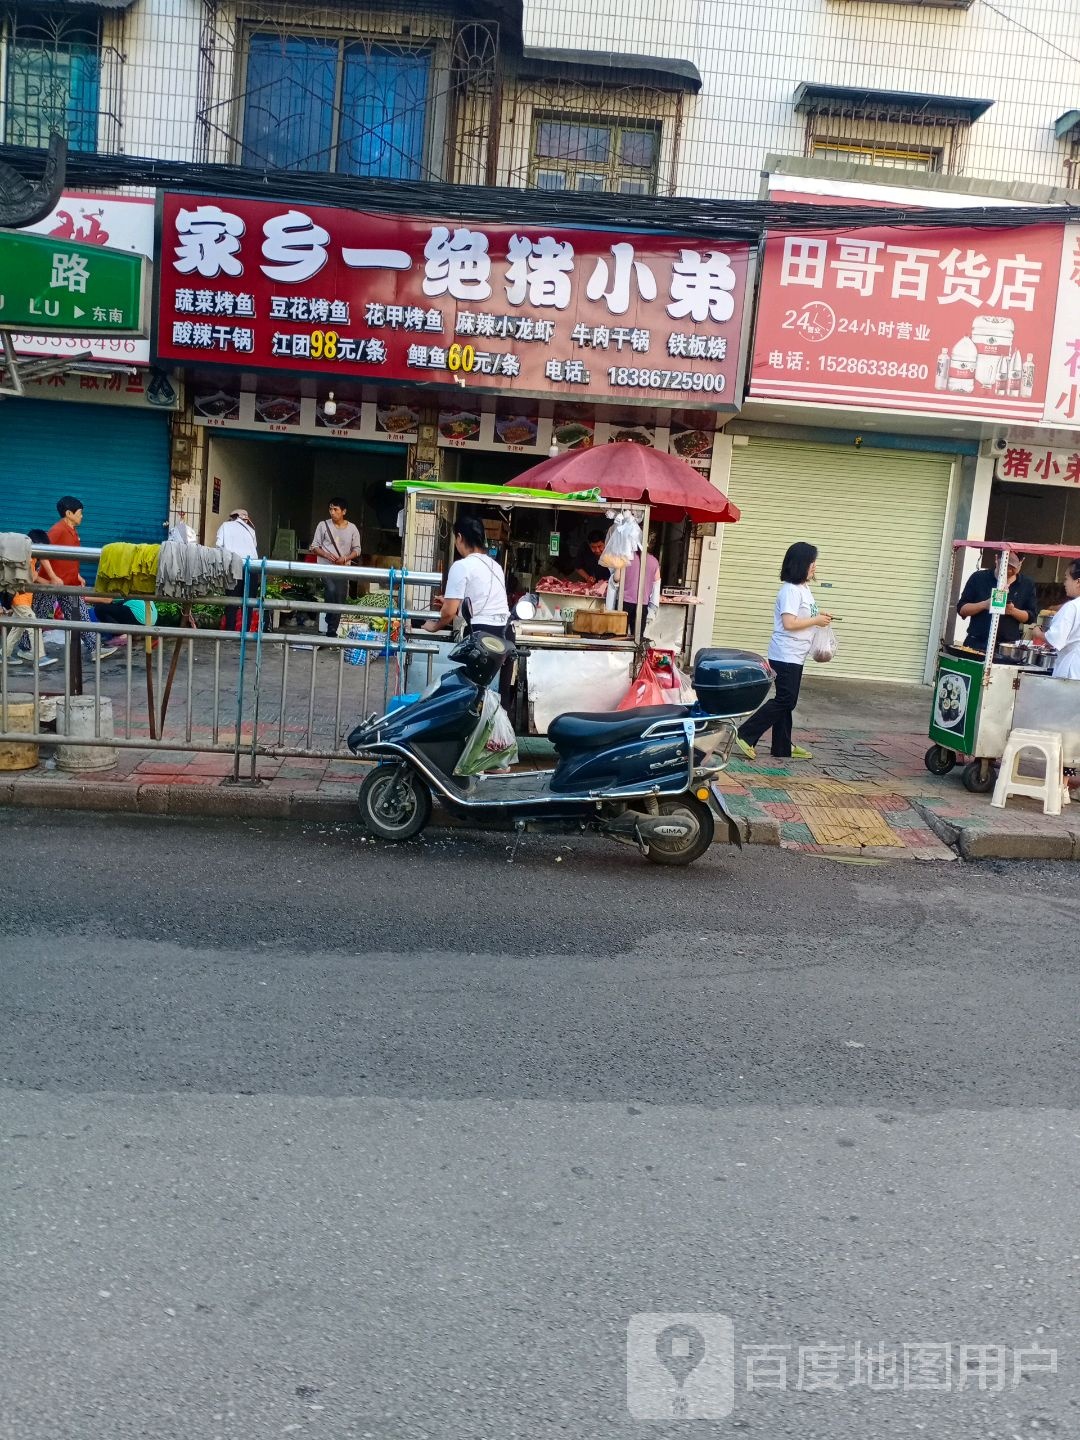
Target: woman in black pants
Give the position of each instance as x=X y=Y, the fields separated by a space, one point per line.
x=795 y=617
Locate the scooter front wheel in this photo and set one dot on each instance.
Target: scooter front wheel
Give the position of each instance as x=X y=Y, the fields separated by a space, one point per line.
x=395 y=803
x=685 y=850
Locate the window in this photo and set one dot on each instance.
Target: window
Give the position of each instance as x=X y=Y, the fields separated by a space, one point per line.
x=318 y=103
x=613 y=155
x=871 y=152
x=53 y=79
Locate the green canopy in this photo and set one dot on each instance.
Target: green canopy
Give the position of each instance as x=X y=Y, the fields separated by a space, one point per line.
x=495 y=492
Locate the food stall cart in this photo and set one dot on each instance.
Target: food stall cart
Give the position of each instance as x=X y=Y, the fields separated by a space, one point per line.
x=562 y=670
x=979 y=697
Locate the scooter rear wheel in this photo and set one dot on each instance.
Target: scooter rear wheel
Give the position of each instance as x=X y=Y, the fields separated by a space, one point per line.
x=664 y=851
x=395 y=803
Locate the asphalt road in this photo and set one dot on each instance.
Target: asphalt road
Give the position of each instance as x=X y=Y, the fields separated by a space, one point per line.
x=299 y=1135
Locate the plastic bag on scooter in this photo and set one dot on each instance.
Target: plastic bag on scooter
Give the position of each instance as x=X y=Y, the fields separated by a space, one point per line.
x=646 y=688
x=493 y=744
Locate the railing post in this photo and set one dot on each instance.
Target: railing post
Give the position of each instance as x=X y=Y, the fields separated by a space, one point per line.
x=240 y=672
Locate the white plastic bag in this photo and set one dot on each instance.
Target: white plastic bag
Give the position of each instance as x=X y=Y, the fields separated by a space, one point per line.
x=823 y=644
x=623 y=541
x=493 y=744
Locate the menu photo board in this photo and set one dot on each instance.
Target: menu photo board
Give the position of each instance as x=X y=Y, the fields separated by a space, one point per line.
x=531 y=310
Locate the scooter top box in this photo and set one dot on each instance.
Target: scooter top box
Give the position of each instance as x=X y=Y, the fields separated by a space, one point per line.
x=731 y=682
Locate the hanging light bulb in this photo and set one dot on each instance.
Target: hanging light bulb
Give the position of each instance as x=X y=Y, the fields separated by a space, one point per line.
x=330 y=407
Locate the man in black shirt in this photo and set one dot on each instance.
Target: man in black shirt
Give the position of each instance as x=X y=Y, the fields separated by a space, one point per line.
x=974 y=605
x=587 y=565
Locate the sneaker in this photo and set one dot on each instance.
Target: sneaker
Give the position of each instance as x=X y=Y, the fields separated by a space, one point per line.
x=106 y=651
x=13 y=659
x=46 y=661
x=744 y=749
x=798 y=753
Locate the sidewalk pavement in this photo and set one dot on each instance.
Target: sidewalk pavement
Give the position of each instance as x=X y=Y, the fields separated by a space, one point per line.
x=865 y=796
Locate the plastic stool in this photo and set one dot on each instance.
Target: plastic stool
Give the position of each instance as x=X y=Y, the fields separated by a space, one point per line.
x=1050 y=788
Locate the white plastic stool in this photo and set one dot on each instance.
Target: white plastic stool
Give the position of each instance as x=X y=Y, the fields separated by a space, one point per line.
x=1050 y=788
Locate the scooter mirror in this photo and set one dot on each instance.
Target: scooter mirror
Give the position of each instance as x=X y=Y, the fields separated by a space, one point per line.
x=526 y=607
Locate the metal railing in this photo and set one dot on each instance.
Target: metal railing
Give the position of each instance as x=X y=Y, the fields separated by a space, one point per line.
x=254 y=698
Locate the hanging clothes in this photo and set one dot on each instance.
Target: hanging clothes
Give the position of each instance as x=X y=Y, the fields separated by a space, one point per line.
x=127 y=569
x=14 y=559
x=188 y=572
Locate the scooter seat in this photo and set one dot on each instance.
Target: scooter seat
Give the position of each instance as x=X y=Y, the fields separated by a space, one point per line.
x=585 y=730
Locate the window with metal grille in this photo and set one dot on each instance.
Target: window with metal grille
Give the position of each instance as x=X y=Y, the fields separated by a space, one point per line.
x=1072 y=164
x=618 y=156
x=51 y=67
x=317 y=102
x=871 y=152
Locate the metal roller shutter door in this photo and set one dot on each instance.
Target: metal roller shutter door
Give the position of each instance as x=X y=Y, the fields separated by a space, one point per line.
x=116 y=461
x=877 y=517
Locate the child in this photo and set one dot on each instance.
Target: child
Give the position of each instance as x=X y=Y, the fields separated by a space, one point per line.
x=22 y=609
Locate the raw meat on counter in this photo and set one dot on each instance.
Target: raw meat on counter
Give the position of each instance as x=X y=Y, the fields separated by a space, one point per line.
x=552 y=585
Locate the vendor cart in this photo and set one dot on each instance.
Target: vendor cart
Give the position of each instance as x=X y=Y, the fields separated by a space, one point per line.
x=558 y=669
x=979 y=697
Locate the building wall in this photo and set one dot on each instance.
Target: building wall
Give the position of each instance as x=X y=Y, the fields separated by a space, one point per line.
x=178 y=82
x=754 y=53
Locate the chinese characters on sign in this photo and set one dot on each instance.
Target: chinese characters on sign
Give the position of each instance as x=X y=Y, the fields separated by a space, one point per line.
x=939 y=322
x=574 y=312
x=1039 y=464
x=1063 y=381
x=100 y=220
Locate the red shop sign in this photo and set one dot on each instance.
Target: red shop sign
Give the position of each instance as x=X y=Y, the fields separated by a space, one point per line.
x=933 y=322
x=523 y=309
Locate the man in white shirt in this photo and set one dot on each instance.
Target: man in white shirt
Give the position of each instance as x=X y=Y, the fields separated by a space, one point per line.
x=238 y=535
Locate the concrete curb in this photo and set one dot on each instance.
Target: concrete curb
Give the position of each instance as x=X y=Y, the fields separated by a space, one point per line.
x=972 y=843
x=207 y=801
x=237 y=802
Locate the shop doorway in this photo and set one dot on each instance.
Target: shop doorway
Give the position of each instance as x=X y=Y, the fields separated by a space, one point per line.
x=1036 y=515
x=286 y=484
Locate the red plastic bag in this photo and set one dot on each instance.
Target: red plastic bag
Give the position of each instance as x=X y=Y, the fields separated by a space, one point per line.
x=646 y=688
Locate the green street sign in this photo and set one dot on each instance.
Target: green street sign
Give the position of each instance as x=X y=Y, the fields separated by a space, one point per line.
x=65 y=288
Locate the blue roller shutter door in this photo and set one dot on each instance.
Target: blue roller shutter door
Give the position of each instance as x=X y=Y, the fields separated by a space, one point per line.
x=116 y=461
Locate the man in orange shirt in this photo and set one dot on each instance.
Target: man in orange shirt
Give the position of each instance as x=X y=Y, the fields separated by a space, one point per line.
x=74 y=607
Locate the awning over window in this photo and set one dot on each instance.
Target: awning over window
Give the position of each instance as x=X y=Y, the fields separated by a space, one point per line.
x=1067 y=124
x=605 y=65
x=813 y=99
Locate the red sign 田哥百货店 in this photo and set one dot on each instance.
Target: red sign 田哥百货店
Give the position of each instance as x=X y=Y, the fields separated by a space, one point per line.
x=276 y=286
x=935 y=322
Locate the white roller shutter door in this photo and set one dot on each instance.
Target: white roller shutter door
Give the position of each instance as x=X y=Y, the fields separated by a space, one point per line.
x=876 y=516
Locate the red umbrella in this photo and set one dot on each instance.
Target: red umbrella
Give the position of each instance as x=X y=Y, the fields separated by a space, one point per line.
x=637 y=474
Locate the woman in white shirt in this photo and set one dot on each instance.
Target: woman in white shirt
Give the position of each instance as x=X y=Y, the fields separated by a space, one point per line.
x=476 y=590
x=1063 y=632
x=475 y=585
x=795 y=616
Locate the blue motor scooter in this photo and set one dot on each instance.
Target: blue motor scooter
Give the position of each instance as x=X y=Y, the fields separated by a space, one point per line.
x=640 y=776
